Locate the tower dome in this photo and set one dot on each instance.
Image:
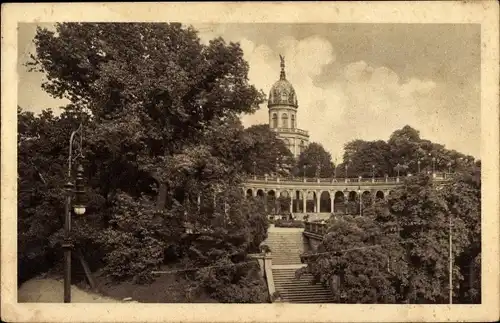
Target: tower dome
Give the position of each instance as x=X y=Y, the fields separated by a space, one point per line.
x=282 y=92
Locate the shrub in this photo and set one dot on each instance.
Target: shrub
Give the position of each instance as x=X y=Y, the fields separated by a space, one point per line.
x=230 y=282
x=136 y=240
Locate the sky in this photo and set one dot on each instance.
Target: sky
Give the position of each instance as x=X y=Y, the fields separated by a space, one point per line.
x=353 y=81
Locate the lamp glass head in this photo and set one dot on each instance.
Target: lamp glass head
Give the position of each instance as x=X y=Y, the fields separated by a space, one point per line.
x=79 y=209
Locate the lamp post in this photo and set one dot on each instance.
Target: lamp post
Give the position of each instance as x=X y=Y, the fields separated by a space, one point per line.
x=449 y=167
x=373 y=173
x=347 y=167
x=304 y=171
x=398 y=167
x=254 y=165
x=433 y=165
x=418 y=164
x=451 y=261
x=359 y=194
x=78 y=207
x=318 y=170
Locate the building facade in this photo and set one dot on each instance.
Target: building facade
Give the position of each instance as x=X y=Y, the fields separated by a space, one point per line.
x=283 y=111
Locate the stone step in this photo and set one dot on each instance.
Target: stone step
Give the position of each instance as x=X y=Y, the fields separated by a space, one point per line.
x=302 y=290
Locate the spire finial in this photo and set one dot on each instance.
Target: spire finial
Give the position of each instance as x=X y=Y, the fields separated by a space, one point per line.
x=282 y=74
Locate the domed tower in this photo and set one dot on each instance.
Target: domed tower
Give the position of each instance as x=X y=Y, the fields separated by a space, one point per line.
x=283 y=105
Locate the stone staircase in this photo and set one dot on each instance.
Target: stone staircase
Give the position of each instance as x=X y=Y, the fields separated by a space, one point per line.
x=287 y=244
x=300 y=290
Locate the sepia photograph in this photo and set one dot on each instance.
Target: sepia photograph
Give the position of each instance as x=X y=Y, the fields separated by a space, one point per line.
x=251 y=162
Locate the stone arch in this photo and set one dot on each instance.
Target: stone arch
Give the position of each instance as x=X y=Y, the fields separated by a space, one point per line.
x=292 y=121
x=275 y=120
x=366 y=195
x=284 y=120
x=271 y=201
x=298 y=198
x=379 y=195
x=325 y=202
x=249 y=193
x=339 y=202
x=260 y=193
x=352 y=204
x=284 y=202
x=310 y=197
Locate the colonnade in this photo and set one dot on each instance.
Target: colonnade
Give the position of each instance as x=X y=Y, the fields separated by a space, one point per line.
x=302 y=196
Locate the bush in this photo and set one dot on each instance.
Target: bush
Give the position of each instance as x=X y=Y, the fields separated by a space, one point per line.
x=135 y=242
x=228 y=282
x=289 y=224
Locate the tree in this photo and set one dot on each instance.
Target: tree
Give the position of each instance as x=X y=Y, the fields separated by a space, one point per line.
x=415 y=223
x=159 y=108
x=316 y=161
x=354 y=260
x=404 y=148
x=262 y=146
x=365 y=158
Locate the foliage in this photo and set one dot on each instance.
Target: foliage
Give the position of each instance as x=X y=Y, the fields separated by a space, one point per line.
x=230 y=283
x=315 y=161
x=269 y=153
x=397 y=252
x=356 y=270
x=361 y=156
x=402 y=151
x=160 y=112
x=137 y=236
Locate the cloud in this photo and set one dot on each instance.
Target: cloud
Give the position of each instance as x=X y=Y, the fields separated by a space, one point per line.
x=365 y=102
x=359 y=100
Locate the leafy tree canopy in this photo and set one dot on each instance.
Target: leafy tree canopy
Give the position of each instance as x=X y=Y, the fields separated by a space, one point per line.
x=160 y=113
x=315 y=161
x=397 y=252
x=401 y=152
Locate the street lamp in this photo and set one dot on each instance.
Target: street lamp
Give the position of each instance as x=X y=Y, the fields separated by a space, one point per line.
x=359 y=195
x=433 y=165
x=418 y=163
x=398 y=167
x=335 y=169
x=449 y=167
x=373 y=172
x=346 y=167
x=450 y=237
x=78 y=207
x=254 y=165
x=318 y=170
x=304 y=171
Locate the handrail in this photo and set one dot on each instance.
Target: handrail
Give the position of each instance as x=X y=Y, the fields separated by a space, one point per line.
x=295 y=130
x=340 y=181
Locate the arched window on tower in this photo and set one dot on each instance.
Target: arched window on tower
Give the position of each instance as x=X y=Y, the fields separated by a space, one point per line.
x=284 y=96
x=284 y=118
x=293 y=121
x=275 y=120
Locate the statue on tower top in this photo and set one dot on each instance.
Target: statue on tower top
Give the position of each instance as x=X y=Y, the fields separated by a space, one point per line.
x=282 y=74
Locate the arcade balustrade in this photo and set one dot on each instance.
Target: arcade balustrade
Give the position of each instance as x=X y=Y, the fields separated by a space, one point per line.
x=438 y=177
